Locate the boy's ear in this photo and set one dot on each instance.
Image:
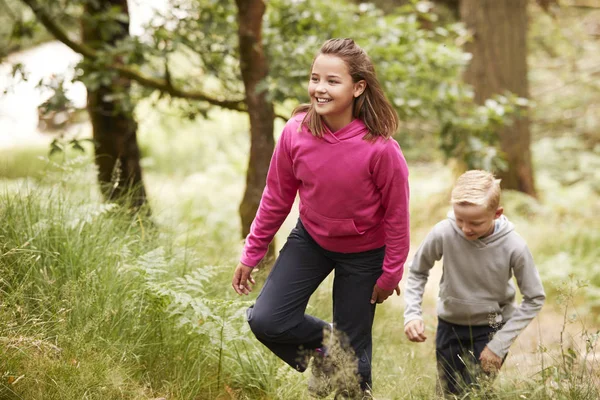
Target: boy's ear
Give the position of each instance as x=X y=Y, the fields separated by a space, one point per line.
x=499 y=212
x=359 y=87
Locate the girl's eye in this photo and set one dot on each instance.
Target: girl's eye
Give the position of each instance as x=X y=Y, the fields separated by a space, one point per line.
x=332 y=81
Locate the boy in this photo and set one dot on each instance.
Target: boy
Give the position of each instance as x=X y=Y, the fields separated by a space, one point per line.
x=478 y=319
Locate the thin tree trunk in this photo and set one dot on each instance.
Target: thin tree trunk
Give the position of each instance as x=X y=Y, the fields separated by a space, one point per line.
x=499 y=64
x=254 y=69
x=111 y=114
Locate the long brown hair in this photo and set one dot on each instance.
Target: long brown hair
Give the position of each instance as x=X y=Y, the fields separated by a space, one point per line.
x=372 y=107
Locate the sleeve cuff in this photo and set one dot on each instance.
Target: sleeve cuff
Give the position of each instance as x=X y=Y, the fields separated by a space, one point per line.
x=496 y=347
x=412 y=318
x=387 y=283
x=249 y=262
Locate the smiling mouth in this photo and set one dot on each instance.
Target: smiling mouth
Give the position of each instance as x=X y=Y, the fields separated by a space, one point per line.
x=322 y=101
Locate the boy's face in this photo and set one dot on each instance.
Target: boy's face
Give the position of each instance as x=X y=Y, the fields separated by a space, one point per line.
x=475 y=221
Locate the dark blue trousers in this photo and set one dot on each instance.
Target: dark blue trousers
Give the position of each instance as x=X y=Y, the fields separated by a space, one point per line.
x=278 y=317
x=457 y=349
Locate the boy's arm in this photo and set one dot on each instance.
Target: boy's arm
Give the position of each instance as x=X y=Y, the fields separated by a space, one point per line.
x=429 y=252
x=530 y=285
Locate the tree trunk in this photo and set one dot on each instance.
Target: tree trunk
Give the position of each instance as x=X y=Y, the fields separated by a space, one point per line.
x=111 y=113
x=499 y=64
x=254 y=70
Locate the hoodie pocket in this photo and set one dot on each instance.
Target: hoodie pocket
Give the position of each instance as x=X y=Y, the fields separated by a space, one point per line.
x=331 y=227
x=468 y=312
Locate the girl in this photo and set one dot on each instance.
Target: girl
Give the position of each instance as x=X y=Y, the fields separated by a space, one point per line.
x=338 y=155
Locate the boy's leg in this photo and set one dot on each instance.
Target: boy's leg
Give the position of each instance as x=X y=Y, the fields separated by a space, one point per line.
x=353 y=313
x=447 y=352
x=458 y=349
x=277 y=318
x=481 y=336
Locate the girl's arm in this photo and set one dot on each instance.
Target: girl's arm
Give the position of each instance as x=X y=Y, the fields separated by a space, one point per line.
x=391 y=177
x=275 y=204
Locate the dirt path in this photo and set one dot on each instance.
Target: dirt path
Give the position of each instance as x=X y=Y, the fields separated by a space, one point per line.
x=18 y=107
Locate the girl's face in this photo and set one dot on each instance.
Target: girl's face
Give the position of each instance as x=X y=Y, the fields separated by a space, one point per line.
x=332 y=91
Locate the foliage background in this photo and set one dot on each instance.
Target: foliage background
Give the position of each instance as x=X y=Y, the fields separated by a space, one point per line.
x=99 y=303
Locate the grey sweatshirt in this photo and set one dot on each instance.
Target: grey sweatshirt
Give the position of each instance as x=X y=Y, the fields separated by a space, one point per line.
x=476 y=286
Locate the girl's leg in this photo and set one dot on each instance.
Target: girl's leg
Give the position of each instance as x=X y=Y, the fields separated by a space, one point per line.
x=277 y=318
x=353 y=313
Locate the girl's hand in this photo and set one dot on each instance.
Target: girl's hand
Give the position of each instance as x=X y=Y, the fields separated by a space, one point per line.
x=242 y=279
x=380 y=295
x=415 y=331
x=490 y=362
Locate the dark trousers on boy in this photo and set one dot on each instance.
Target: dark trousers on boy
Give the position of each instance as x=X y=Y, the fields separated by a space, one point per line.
x=278 y=317
x=457 y=349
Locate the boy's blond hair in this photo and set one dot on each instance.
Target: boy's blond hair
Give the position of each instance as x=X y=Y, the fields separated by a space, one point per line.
x=477 y=187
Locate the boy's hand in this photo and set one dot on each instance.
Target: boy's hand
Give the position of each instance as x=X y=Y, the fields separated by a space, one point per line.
x=242 y=279
x=490 y=362
x=379 y=295
x=415 y=331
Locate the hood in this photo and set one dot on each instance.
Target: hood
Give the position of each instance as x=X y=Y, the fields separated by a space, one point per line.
x=354 y=128
x=502 y=228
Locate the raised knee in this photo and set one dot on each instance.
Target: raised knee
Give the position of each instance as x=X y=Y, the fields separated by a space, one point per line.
x=262 y=325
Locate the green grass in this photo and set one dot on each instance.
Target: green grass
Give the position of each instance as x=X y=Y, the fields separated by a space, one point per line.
x=99 y=303
x=22 y=163
x=94 y=288
x=96 y=303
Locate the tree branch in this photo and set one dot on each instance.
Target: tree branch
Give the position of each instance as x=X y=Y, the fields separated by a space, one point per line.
x=583 y=6
x=11 y=13
x=163 y=85
x=590 y=4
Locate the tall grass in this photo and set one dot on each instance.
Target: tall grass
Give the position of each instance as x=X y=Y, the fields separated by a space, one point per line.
x=97 y=303
x=100 y=303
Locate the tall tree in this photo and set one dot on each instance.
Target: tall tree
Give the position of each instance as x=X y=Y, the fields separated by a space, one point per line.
x=499 y=64
x=255 y=69
x=110 y=108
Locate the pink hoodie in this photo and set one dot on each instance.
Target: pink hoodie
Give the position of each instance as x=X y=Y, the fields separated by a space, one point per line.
x=353 y=195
